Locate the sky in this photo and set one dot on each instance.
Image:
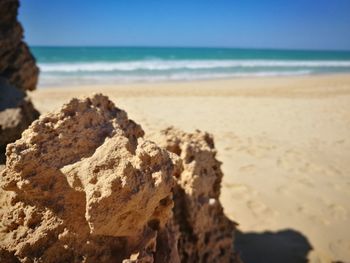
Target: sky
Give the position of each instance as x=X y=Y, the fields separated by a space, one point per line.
x=284 y=24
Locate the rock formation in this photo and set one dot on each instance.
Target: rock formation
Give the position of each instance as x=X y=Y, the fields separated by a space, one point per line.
x=16 y=114
x=17 y=65
x=17 y=71
x=83 y=185
x=206 y=234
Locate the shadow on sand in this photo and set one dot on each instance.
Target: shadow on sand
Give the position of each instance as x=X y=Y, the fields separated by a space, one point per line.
x=287 y=246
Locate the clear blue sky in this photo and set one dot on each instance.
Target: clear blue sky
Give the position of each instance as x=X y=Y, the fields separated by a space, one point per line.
x=292 y=24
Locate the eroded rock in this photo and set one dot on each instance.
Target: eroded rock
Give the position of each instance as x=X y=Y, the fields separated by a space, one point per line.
x=16 y=114
x=82 y=185
x=206 y=234
x=17 y=71
x=17 y=64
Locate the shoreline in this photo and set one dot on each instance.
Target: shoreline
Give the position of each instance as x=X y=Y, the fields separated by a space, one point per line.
x=184 y=82
x=287 y=87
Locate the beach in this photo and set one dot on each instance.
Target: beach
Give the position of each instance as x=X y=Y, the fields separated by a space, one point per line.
x=284 y=143
x=155 y=132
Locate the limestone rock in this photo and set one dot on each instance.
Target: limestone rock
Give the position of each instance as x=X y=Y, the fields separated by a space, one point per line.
x=82 y=185
x=16 y=114
x=17 y=64
x=206 y=234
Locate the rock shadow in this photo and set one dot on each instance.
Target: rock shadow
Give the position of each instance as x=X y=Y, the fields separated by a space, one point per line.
x=287 y=246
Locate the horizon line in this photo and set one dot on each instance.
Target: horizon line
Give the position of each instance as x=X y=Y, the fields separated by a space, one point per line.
x=194 y=47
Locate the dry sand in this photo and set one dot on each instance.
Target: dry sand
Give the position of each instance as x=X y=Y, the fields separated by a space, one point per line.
x=285 y=147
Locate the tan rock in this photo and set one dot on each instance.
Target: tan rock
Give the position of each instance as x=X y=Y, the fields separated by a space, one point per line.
x=82 y=185
x=206 y=234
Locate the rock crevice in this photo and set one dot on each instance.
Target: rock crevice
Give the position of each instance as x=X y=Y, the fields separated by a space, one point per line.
x=206 y=234
x=83 y=185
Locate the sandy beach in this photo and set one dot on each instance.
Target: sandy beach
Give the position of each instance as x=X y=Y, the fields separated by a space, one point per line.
x=285 y=148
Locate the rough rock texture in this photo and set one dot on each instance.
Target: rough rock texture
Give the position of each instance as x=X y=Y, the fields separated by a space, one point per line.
x=82 y=185
x=17 y=71
x=17 y=65
x=16 y=114
x=206 y=234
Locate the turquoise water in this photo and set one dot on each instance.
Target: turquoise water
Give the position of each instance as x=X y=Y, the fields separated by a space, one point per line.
x=96 y=65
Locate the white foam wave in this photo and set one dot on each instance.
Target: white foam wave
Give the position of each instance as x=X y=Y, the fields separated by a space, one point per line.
x=158 y=65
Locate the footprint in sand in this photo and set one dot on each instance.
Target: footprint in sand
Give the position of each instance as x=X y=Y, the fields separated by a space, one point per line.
x=256 y=206
x=338 y=211
x=283 y=190
x=285 y=164
x=259 y=208
x=340 y=247
x=239 y=191
x=306 y=182
x=336 y=186
x=256 y=147
x=247 y=168
x=340 y=142
x=312 y=168
x=333 y=170
x=227 y=148
x=294 y=161
x=312 y=215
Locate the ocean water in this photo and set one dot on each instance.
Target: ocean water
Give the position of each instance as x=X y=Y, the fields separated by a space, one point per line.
x=108 y=65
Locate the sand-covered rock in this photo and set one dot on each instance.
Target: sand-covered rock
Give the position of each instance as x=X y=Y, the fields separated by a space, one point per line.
x=16 y=114
x=206 y=234
x=17 y=64
x=82 y=185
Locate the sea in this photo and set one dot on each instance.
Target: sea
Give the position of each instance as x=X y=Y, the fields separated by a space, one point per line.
x=62 y=66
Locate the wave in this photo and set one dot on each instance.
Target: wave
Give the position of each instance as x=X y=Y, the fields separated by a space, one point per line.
x=161 y=65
